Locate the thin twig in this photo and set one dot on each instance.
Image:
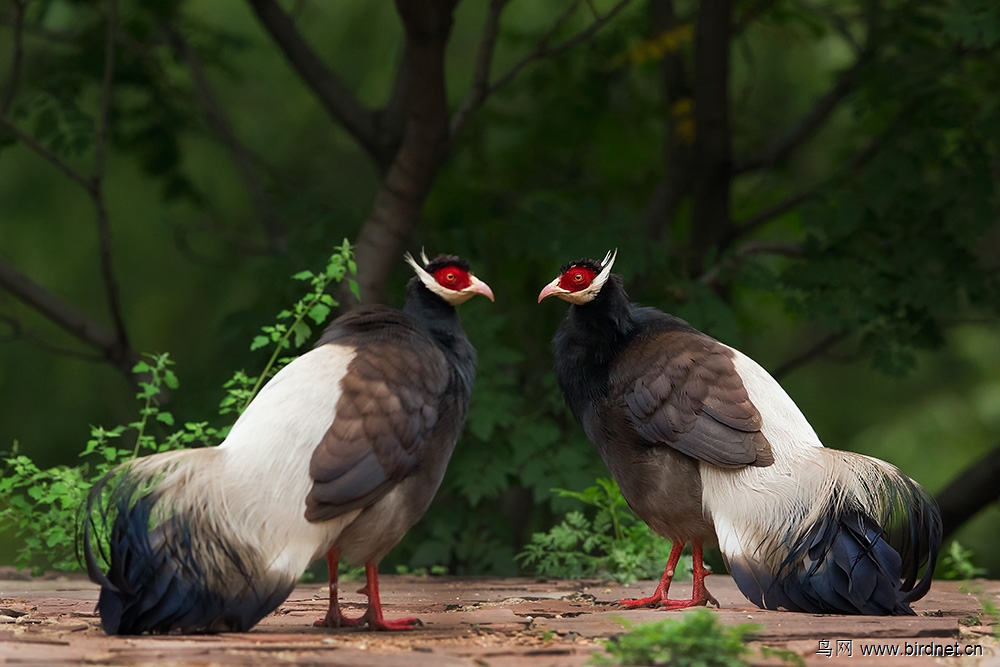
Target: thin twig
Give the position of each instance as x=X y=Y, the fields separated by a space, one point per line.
x=17 y=58
x=338 y=101
x=17 y=333
x=817 y=349
x=96 y=191
x=807 y=126
x=855 y=162
x=67 y=316
x=484 y=65
x=48 y=155
x=748 y=249
x=542 y=48
x=243 y=159
x=760 y=218
x=752 y=14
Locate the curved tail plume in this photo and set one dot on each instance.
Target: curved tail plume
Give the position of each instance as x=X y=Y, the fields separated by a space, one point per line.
x=854 y=536
x=171 y=568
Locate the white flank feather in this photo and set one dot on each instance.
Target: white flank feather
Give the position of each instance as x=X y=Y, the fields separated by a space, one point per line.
x=251 y=489
x=760 y=511
x=749 y=505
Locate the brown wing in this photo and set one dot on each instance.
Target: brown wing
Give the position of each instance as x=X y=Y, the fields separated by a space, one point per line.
x=682 y=389
x=392 y=394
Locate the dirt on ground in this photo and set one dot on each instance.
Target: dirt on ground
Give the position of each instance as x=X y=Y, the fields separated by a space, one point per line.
x=478 y=622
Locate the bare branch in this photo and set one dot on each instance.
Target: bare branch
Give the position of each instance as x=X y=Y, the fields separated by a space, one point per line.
x=111 y=290
x=972 y=490
x=17 y=58
x=68 y=317
x=243 y=159
x=17 y=332
x=101 y=145
x=484 y=65
x=770 y=213
x=856 y=161
x=359 y=121
x=749 y=249
x=542 y=48
x=807 y=126
x=820 y=347
x=48 y=155
x=752 y=14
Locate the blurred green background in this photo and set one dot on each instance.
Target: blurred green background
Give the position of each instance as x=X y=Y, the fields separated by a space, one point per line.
x=853 y=151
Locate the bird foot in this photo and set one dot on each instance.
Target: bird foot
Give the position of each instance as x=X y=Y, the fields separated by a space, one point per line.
x=651 y=601
x=380 y=624
x=667 y=604
x=338 y=620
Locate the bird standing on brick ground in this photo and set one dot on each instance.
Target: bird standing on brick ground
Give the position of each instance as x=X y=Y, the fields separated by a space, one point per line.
x=706 y=446
x=340 y=454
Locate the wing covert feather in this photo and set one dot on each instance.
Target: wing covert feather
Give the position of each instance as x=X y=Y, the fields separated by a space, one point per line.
x=391 y=399
x=690 y=397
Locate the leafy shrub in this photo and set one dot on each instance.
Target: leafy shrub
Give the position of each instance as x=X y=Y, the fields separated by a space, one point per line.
x=41 y=506
x=613 y=543
x=957 y=563
x=696 y=639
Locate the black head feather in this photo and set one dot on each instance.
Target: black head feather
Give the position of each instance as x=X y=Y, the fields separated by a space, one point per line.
x=447 y=260
x=585 y=262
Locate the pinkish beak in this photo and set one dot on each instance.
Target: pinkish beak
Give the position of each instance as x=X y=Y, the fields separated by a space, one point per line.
x=550 y=289
x=479 y=287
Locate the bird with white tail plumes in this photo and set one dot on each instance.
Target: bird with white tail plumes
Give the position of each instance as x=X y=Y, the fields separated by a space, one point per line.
x=340 y=454
x=707 y=447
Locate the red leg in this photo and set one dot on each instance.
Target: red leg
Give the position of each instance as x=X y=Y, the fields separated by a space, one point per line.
x=374 y=613
x=334 y=618
x=699 y=594
x=660 y=593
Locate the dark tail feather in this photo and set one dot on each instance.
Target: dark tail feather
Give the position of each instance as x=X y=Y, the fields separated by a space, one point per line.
x=856 y=561
x=913 y=528
x=168 y=577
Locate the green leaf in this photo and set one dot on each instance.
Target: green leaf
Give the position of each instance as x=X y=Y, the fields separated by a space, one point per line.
x=301 y=331
x=319 y=312
x=259 y=342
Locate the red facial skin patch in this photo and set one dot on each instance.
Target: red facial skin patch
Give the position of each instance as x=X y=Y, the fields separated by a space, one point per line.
x=576 y=278
x=452 y=277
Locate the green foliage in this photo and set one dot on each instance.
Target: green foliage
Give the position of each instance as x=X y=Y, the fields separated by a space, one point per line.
x=614 y=543
x=896 y=242
x=41 y=506
x=697 y=639
x=957 y=563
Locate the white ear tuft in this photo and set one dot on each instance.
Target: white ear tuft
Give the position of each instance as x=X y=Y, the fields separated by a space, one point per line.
x=609 y=261
x=425 y=277
x=423 y=257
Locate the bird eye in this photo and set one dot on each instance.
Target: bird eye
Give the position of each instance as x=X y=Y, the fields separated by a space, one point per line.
x=578 y=278
x=450 y=277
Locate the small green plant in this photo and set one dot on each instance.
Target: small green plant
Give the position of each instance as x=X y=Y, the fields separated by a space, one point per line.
x=613 y=543
x=40 y=506
x=957 y=563
x=696 y=639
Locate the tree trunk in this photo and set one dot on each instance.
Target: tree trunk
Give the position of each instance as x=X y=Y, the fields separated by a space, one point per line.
x=712 y=144
x=400 y=198
x=678 y=149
